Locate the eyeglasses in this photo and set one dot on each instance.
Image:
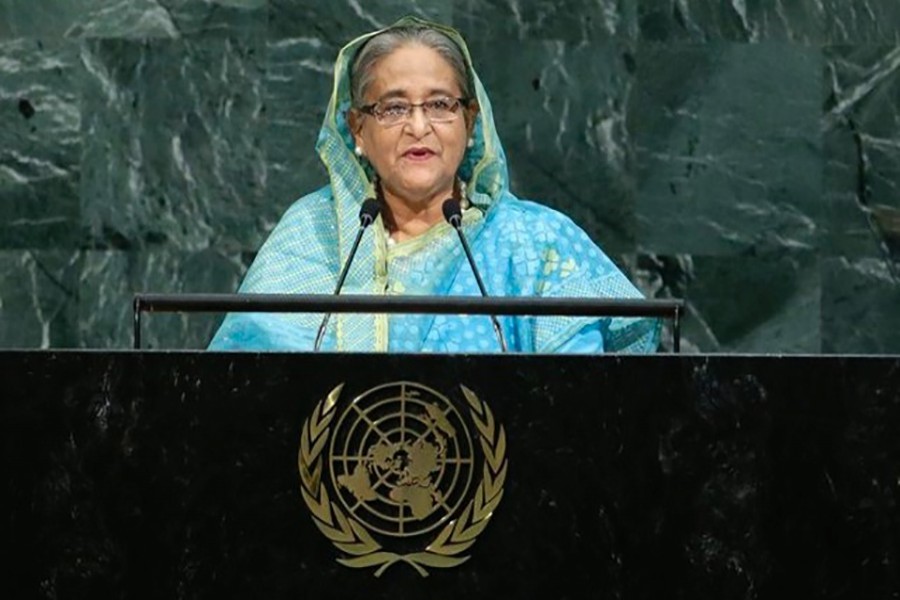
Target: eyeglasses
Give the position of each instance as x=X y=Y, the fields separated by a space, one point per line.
x=394 y=112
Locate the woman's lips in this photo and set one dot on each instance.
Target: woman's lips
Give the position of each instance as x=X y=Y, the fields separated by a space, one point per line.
x=418 y=154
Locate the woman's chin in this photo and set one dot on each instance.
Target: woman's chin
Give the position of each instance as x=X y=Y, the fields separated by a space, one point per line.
x=424 y=193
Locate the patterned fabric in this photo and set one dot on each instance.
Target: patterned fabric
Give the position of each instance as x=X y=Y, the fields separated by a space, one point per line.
x=521 y=248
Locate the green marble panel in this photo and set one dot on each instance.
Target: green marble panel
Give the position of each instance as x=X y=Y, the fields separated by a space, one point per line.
x=39 y=298
x=140 y=19
x=561 y=118
x=336 y=23
x=862 y=21
x=110 y=279
x=298 y=82
x=173 y=143
x=727 y=138
x=801 y=21
x=243 y=18
x=862 y=151
x=47 y=18
x=91 y=18
x=762 y=303
x=500 y=21
x=860 y=300
x=40 y=144
x=135 y=19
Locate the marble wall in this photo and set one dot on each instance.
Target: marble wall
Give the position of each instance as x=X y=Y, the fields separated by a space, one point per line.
x=741 y=154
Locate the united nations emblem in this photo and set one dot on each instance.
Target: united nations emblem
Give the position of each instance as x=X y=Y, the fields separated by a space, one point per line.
x=396 y=476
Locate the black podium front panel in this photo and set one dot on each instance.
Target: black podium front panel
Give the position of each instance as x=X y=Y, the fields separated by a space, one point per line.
x=176 y=475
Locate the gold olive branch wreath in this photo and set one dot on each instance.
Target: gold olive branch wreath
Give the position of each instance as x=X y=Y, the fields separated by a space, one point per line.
x=349 y=536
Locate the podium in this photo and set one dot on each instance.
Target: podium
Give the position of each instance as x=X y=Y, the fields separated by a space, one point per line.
x=179 y=475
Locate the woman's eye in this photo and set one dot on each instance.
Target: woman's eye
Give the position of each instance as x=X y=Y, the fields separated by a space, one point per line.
x=395 y=110
x=442 y=104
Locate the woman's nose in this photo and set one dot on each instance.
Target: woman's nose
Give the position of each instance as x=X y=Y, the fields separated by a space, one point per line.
x=418 y=123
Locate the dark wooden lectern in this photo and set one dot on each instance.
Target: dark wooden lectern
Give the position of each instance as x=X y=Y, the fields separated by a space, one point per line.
x=175 y=475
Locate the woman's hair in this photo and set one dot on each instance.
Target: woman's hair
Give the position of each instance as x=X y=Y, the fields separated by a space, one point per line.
x=379 y=46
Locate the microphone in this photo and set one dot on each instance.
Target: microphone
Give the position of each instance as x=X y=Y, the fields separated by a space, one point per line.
x=367 y=214
x=453 y=214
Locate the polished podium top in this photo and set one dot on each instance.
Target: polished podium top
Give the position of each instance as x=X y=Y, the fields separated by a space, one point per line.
x=201 y=475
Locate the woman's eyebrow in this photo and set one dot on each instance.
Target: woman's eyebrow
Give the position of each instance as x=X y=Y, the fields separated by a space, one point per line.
x=399 y=93
x=392 y=94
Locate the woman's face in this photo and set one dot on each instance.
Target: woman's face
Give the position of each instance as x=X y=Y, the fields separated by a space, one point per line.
x=416 y=160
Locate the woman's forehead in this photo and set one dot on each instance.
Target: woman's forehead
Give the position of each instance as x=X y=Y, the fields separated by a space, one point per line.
x=412 y=70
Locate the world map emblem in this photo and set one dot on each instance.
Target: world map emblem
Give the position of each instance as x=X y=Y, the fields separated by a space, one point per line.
x=402 y=474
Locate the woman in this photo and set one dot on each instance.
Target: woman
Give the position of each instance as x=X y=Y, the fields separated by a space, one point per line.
x=410 y=124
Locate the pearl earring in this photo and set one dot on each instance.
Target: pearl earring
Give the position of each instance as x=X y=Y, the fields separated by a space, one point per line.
x=470 y=143
x=358 y=151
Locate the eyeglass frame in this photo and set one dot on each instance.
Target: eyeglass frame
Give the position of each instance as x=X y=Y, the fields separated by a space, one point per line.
x=369 y=109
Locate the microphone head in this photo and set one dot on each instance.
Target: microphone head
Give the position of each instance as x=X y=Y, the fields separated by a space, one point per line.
x=369 y=212
x=452 y=212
